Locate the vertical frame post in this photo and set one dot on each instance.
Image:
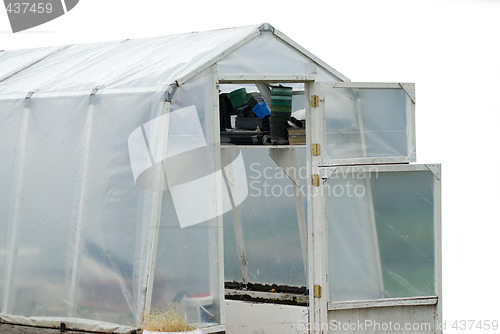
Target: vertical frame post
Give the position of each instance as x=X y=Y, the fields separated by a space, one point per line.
x=438 y=253
x=316 y=213
x=217 y=248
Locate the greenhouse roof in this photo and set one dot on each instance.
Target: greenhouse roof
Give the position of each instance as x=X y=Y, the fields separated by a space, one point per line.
x=149 y=63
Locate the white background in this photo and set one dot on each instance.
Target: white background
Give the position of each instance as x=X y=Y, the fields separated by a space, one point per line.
x=450 y=49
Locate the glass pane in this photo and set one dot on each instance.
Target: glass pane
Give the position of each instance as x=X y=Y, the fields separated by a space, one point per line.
x=365 y=123
x=381 y=234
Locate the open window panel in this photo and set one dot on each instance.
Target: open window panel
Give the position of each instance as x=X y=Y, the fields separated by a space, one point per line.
x=383 y=225
x=262 y=113
x=265 y=235
x=367 y=123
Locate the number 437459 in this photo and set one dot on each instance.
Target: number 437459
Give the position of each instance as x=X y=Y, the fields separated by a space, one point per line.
x=468 y=325
x=25 y=7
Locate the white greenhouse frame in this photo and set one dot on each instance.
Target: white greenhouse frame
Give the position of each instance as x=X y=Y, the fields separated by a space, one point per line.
x=312 y=224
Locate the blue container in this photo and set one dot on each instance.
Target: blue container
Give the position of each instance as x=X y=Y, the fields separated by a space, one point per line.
x=261 y=110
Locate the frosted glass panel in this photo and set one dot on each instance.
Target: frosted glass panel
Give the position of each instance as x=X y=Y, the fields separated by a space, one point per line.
x=366 y=123
x=381 y=234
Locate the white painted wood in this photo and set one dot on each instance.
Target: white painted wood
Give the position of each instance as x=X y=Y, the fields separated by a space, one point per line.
x=217 y=246
x=435 y=169
x=410 y=119
x=438 y=256
x=260 y=146
x=379 y=85
x=316 y=212
x=358 y=304
x=409 y=89
x=259 y=78
x=252 y=318
x=368 y=161
x=390 y=320
x=375 y=168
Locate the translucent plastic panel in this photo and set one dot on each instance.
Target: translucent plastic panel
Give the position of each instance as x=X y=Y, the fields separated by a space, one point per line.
x=138 y=63
x=367 y=123
x=381 y=234
x=187 y=261
x=404 y=211
x=269 y=223
x=14 y=61
x=42 y=201
x=10 y=119
x=254 y=58
x=51 y=71
x=113 y=218
x=325 y=76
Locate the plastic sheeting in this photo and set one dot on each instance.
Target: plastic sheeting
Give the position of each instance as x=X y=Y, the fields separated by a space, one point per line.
x=253 y=58
x=380 y=234
x=149 y=62
x=269 y=223
x=70 y=324
x=15 y=61
x=365 y=123
x=84 y=221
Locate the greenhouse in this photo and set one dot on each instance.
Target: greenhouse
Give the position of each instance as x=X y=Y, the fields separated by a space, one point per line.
x=185 y=171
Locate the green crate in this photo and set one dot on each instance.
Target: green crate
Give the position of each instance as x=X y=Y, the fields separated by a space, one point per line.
x=238 y=97
x=279 y=90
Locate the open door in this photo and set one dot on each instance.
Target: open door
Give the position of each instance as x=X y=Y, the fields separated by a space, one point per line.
x=374 y=219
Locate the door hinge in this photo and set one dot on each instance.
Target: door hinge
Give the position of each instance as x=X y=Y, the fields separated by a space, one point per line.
x=314 y=101
x=315 y=180
x=316 y=149
x=317 y=291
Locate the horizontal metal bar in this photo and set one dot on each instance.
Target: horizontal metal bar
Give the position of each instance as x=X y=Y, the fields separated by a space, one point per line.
x=266 y=78
x=387 y=302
